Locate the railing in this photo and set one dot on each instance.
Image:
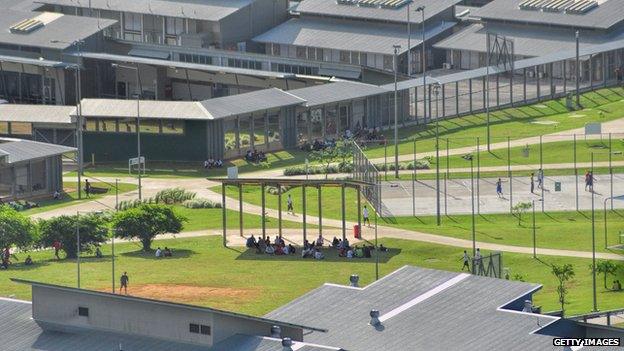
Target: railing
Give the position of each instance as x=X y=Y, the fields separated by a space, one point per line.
x=608 y=314
x=364 y=170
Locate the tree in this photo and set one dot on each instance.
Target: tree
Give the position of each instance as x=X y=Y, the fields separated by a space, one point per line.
x=563 y=274
x=16 y=230
x=92 y=228
x=145 y=222
x=340 y=151
x=606 y=268
x=521 y=208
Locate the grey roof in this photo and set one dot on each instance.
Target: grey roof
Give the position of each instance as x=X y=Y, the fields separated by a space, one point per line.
x=465 y=316
x=606 y=15
x=184 y=65
x=116 y=108
x=63 y=28
x=347 y=35
x=19 y=332
x=528 y=40
x=241 y=342
x=209 y=10
x=24 y=150
x=331 y=8
x=249 y=102
x=336 y=92
x=36 y=113
x=36 y=62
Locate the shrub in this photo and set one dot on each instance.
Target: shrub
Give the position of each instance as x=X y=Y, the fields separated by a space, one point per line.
x=342 y=167
x=420 y=164
x=201 y=203
x=173 y=196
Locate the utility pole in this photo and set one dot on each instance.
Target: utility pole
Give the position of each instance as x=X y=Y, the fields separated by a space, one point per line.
x=396 y=111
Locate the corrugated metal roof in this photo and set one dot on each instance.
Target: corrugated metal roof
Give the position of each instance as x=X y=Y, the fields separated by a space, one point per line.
x=208 y=10
x=528 y=40
x=36 y=113
x=343 y=35
x=241 y=342
x=148 y=109
x=464 y=316
x=65 y=30
x=336 y=92
x=249 y=102
x=331 y=8
x=24 y=150
x=184 y=65
x=606 y=15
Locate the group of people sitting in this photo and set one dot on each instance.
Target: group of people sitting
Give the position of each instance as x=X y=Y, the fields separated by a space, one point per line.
x=20 y=205
x=371 y=134
x=313 y=250
x=255 y=156
x=163 y=253
x=212 y=163
x=278 y=247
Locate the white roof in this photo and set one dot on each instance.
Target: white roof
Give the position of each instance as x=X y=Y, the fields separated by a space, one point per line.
x=114 y=108
x=36 y=113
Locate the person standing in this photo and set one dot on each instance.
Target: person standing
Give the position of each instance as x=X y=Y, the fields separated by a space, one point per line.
x=56 y=245
x=289 y=203
x=478 y=261
x=540 y=178
x=87 y=187
x=365 y=215
x=499 y=188
x=532 y=183
x=124 y=280
x=590 y=181
x=586 y=180
x=466 y=260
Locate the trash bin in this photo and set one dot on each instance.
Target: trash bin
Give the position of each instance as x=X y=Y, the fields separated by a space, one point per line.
x=356 y=232
x=557 y=186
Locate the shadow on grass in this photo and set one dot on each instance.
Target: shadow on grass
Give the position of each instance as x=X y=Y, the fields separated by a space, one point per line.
x=177 y=253
x=331 y=255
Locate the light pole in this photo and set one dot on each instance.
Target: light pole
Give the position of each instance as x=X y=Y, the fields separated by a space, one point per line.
x=421 y=9
x=534 y=230
x=605 y=220
x=113 y=236
x=396 y=111
x=138 y=121
x=436 y=91
x=487 y=89
x=79 y=123
x=593 y=219
x=470 y=158
x=578 y=70
x=409 y=41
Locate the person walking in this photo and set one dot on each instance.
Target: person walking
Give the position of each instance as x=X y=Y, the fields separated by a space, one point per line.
x=87 y=187
x=365 y=215
x=540 y=178
x=56 y=245
x=532 y=183
x=586 y=180
x=477 y=262
x=499 y=188
x=289 y=203
x=466 y=260
x=124 y=280
x=590 y=181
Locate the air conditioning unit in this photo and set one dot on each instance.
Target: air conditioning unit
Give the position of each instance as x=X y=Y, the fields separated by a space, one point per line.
x=447 y=65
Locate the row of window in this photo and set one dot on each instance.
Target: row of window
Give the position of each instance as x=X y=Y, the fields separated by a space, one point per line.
x=128 y=125
x=15 y=128
x=193 y=58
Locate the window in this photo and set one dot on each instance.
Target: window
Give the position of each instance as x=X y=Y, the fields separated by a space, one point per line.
x=194 y=328
x=170 y=126
x=174 y=26
x=311 y=54
x=18 y=128
x=199 y=329
x=345 y=56
x=83 y=311
x=204 y=329
x=388 y=62
x=107 y=125
x=301 y=52
x=355 y=58
x=132 y=21
x=275 y=49
x=127 y=125
x=150 y=126
x=4 y=128
x=91 y=125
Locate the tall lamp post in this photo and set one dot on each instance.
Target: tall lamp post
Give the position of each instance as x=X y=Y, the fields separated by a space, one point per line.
x=138 y=119
x=396 y=110
x=436 y=91
x=578 y=70
x=78 y=92
x=470 y=158
x=421 y=9
x=593 y=219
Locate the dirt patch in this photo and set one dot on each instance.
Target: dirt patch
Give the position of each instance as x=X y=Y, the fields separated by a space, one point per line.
x=190 y=293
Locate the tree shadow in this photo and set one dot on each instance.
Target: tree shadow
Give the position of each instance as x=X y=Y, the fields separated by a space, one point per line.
x=331 y=255
x=177 y=253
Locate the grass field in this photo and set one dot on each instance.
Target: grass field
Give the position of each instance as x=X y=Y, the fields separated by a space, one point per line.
x=202 y=272
x=70 y=196
x=601 y=105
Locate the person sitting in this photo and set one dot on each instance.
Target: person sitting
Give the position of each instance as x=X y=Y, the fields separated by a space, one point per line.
x=261 y=246
x=158 y=253
x=335 y=242
x=57 y=195
x=249 y=156
x=319 y=240
x=167 y=252
x=28 y=261
x=285 y=250
x=291 y=249
x=350 y=253
x=279 y=250
x=382 y=248
x=270 y=250
x=359 y=252
x=306 y=244
x=367 y=251
x=219 y=163
x=98 y=252
x=251 y=242
x=262 y=156
x=345 y=243
x=318 y=254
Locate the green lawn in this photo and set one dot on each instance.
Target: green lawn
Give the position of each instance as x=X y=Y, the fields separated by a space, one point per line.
x=70 y=196
x=276 y=160
x=559 y=230
x=601 y=105
x=236 y=280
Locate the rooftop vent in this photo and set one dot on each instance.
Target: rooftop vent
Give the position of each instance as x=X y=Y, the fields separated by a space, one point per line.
x=354 y=279
x=386 y=4
x=528 y=306
x=276 y=331
x=26 y=26
x=374 y=314
x=287 y=344
x=576 y=7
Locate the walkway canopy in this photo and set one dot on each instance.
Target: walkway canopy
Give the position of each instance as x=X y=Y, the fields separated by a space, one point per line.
x=279 y=183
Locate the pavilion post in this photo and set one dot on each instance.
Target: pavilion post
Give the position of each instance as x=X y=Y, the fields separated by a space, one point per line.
x=343 y=210
x=240 y=209
x=263 y=196
x=320 y=211
x=304 y=211
x=224 y=212
x=359 y=206
x=279 y=210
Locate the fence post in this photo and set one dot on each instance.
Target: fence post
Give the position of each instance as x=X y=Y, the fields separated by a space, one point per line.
x=542 y=169
x=576 y=176
x=385 y=160
x=611 y=171
x=510 y=176
x=478 y=175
